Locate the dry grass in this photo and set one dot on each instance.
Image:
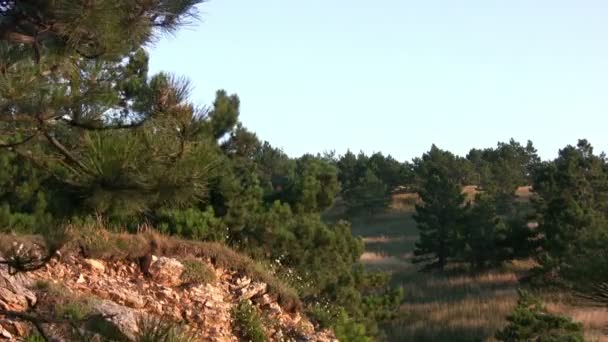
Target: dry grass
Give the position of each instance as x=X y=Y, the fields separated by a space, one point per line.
x=454 y=307
x=594 y=319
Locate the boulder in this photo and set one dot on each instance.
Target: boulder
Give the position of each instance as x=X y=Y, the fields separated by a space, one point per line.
x=167 y=271
x=14 y=292
x=117 y=321
x=14 y=296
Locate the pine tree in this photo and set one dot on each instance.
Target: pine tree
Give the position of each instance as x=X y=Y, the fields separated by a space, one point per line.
x=369 y=195
x=76 y=101
x=482 y=235
x=441 y=212
x=573 y=205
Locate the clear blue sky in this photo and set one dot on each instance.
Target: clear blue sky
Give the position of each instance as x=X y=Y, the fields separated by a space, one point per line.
x=398 y=75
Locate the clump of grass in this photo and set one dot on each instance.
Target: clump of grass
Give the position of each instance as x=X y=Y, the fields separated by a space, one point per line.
x=99 y=243
x=76 y=310
x=154 y=329
x=197 y=272
x=34 y=337
x=42 y=285
x=247 y=323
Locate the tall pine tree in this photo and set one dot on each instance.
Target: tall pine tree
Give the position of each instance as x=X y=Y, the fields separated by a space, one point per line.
x=441 y=211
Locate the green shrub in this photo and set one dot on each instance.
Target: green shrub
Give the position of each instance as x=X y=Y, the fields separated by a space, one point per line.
x=531 y=322
x=154 y=329
x=192 y=224
x=197 y=272
x=34 y=337
x=247 y=323
x=76 y=310
x=42 y=285
x=348 y=330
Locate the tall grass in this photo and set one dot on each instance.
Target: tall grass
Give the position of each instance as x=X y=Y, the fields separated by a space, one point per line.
x=452 y=306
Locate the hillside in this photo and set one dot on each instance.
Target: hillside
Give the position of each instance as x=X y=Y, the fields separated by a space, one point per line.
x=455 y=306
x=213 y=294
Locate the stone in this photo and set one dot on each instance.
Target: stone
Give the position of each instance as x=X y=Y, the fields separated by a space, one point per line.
x=95 y=265
x=243 y=281
x=274 y=309
x=265 y=299
x=253 y=290
x=167 y=271
x=121 y=318
x=14 y=292
x=5 y=334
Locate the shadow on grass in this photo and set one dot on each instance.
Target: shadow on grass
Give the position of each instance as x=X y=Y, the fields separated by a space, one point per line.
x=424 y=332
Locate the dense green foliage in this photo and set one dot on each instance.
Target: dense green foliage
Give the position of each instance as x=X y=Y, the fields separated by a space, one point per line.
x=485 y=231
x=367 y=182
x=248 y=323
x=573 y=215
x=502 y=169
x=441 y=211
x=530 y=321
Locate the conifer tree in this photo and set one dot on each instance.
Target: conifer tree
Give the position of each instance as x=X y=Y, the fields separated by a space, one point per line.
x=482 y=235
x=441 y=212
x=76 y=101
x=573 y=205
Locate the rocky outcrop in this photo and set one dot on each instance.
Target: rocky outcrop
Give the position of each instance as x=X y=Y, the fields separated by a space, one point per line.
x=14 y=296
x=121 y=296
x=123 y=320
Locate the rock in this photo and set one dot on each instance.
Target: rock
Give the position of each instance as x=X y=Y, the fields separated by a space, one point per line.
x=253 y=290
x=274 y=309
x=243 y=281
x=10 y=328
x=95 y=265
x=121 y=319
x=14 y=294
x=4 y=333
x=167 y=271
x=263 y=300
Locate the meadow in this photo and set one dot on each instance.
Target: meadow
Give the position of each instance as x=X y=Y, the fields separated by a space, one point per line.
x=454 y=305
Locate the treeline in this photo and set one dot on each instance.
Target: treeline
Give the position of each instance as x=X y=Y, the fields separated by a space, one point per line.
x=561 y=223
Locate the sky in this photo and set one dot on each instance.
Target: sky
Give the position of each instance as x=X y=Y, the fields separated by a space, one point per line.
x=396 y=76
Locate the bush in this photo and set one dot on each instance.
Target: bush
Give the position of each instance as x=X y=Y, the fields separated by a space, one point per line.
x=160 y=330
x=192 y=224
x=76 y=310
x=531 y=322
x=247 y=323
x=34 y=337
x=348 y=330
x=197 y=272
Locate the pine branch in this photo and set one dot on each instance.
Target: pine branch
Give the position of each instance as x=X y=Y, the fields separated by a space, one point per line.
x=19 y=263
x=64 y=151
x=18 y=143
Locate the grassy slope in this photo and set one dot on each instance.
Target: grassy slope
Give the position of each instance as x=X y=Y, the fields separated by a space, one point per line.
x=456 y=307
